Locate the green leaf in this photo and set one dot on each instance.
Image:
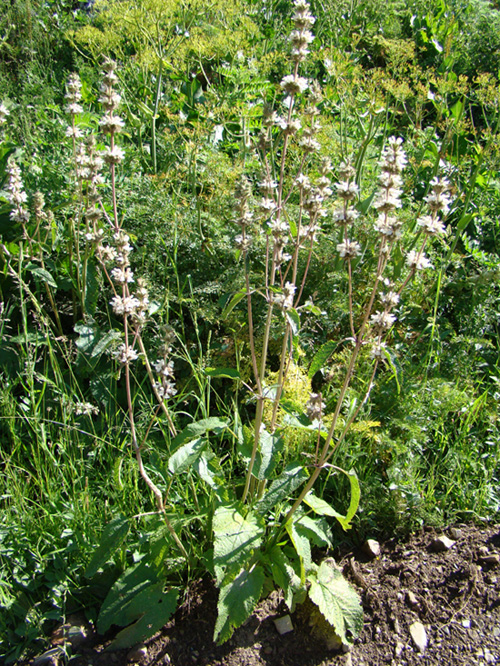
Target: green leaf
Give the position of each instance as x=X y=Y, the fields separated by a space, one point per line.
x=266 y=457
x=285 y=576
x=287 y=482
x=104 y=343
x=199 y=428
x=87 y=334
x=229 y=373
x=186 y=455
x=112 y=537
x=300 y=540
x=321 y=357
x=127 y=587
x=322 y=508
x=44 y=275
x=337 y=601
x=237 y=600
x=149 y=611
x=293 y=319
x=238 y=296
x=316 y=529
x=235 y=540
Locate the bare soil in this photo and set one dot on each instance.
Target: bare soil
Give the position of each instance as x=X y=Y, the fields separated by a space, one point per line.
x=455 y=595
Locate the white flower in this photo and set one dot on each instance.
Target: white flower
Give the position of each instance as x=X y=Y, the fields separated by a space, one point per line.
x=431 y=225
x=349 y=249
x=293 y=85
x=110 y=124
x=390 y=299
x=417 y=260
x=382 y=321
x=122 y=275
x=124 y=355
x=114 y=156
x=347 y=190
x=124 y=305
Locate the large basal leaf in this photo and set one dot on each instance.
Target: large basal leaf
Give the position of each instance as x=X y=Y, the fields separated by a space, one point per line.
x=186 y=455
x=149 y=611
x=127 y=587
x=199 y=428
x=300 y=540
x=285 y=577
x=287 y=482
x=237 y=600
x=235 y=540
x=112 y=537
x=337 y=600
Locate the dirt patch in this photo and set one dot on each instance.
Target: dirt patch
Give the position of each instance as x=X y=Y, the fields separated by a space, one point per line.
x=454 y=594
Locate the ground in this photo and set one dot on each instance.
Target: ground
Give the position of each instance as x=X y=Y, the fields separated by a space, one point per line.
x=454 y=594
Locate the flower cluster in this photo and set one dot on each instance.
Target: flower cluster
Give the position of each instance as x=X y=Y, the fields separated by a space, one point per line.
x=284 y=300
x=164 y=368
x=111 y=123
x=315 y=407
x=388 y=200
x=301 y=36
x=17 y=196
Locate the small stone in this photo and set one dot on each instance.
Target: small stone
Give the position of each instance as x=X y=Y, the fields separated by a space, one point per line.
x=411 y=599
x=491 y=560
x=455 y=533
x=283 y=624
x=442 y=543
x=466 y=623
x=371 y=548
x=137 y=653
x=419 y=635
x=347 y=660
x=399 y=650
x=483 y=551
x=496 y=632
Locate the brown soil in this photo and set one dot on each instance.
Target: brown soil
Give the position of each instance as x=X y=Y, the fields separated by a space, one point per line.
x=456 y=598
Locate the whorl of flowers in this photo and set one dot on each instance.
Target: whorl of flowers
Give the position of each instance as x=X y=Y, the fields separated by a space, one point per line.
x=284 y=300
x=73 y=95
x=315 y=407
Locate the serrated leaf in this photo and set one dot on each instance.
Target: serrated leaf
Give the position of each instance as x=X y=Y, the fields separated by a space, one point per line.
x=266 y=457
x=316 y=529
x=337 y=600
x=237 y=600
x=236 y=538
x=287 y=482
x=205 y=467
x=112 y=537
x=186 y=455
x=285 y=576
x=321 y=357
x=199 y=428
x=126 y=588
x=151 y=609
x=300 y=540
